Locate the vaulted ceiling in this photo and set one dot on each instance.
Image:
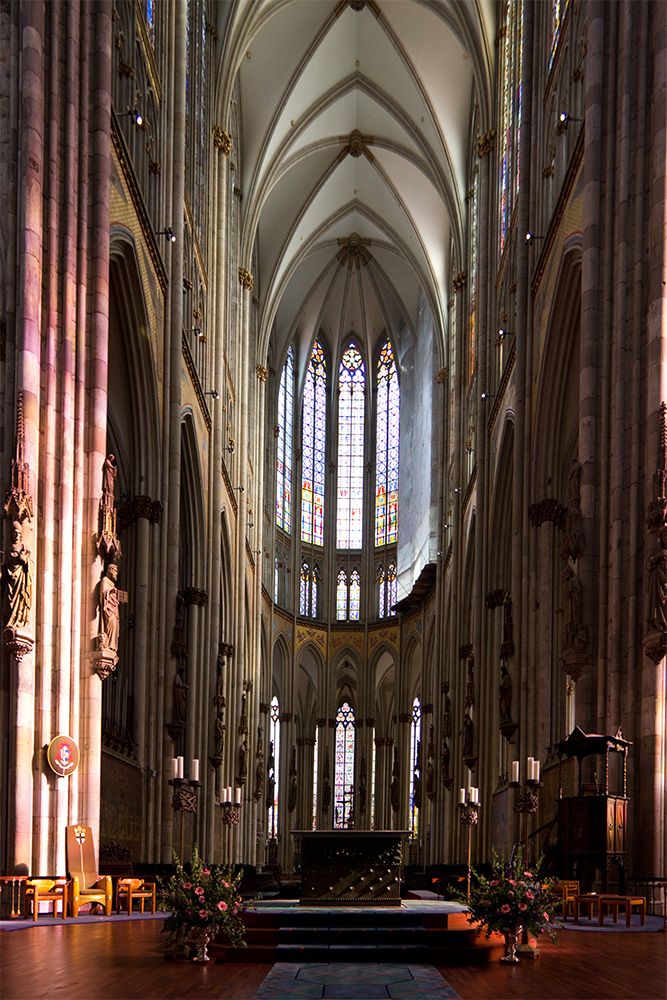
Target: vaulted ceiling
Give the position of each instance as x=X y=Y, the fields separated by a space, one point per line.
x=357 y=125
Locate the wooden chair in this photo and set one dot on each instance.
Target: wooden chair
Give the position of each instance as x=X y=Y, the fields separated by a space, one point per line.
x=567 y=890
x=39 y=890
x=86 y=885
x=129 y=889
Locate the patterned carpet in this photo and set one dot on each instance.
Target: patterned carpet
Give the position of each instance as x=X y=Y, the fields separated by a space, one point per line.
x=337 y=981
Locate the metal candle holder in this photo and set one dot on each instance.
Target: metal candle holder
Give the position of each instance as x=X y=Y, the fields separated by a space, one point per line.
x=231 y=815
x=469 y=816
x=184 y=800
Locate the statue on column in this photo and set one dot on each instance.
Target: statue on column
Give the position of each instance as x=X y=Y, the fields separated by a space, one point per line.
x=505 y=694
x=656 y=585
x=395 y=796
x=292 y=792
x=467 y=736
x=220 y=736
x=470 y=686
x=243 y=760
x=18 y=573
x=109 y=618
x=180 y=696
x=447 y=716
x=326 y=784
x=575 y=633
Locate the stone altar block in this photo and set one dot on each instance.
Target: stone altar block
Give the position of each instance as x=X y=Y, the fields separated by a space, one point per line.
x=351 y=867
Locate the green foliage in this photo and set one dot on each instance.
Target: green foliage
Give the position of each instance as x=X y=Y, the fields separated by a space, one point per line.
x=203 y=896
x=515 y=896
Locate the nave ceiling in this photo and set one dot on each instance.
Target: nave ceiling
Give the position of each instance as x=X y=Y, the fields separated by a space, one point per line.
x=356 y=136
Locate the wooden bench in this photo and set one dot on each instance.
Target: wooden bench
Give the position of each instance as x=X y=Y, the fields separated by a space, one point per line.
x=615 y=903
x=583 y=900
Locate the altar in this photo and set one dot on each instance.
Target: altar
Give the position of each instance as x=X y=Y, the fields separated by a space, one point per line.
x=351 y=867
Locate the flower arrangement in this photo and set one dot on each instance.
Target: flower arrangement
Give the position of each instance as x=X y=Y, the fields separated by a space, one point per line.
x=515 y=896
x=203 y=898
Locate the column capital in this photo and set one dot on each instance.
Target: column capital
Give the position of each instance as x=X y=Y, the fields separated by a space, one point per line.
x=222 y=140
x=246 y=279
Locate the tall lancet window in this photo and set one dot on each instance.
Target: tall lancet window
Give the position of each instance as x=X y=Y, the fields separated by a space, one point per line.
x=415 y=764
x=388 y=589
x=474 y=234
x=386 y=466
x=348 y=596
x=558 y=11
x=511 y=114
x=313 y=448
x=351 y=386
x=308 y=590
x=344 y=772
x=273 y=767
x=284 y=458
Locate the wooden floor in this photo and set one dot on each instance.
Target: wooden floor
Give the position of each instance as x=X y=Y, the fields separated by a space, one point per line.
x=124 y=961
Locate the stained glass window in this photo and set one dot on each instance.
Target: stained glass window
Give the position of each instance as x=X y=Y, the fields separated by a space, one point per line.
x=355 y=595
x=386 y=467
x=196 y=113
x=276 y=581
x=559 y=9
x=381 y=592
x=308 y=590
x=304 y=588
x=313 y=448
x=351 y=382
x=273 y=769
x=392 y=587
x=373 y=759
x=344 y=771
x=150 y=19
x=284 y=458
x=341 y=596
x=511 y=113
x=473 y=281
x=415 y=774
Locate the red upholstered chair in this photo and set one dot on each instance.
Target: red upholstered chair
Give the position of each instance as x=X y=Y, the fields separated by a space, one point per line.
x=86 y=885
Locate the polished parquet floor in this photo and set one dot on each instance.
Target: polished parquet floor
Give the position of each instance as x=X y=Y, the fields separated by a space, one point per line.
x=118 y=960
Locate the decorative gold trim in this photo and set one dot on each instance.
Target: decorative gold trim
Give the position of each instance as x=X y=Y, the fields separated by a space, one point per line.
x=262 y=373
x=459 y=280
x=222 y=140
x=246 y=279
x=442 y=375
x=486 y=142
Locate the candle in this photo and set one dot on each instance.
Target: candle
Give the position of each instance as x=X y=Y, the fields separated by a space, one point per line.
x=195 y=769
x=515 y=771
x=174 y=767
x=180 y=767
x=228 y=794
x=237 y=796
x=529 y=768
x=536 y=767
x=476 y=795
x=462 y=796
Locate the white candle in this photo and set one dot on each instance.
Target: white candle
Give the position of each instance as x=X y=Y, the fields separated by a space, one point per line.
x=195 y=769
x=180 y=767
x=174 y=767
x=536 y=767
x=515 y=771
x=227 y=794
x=462 y=796
x=476 y=795
x=237 y=796
x=529 y=769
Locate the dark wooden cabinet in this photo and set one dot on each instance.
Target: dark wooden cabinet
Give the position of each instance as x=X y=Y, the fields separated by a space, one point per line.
x=592 y=839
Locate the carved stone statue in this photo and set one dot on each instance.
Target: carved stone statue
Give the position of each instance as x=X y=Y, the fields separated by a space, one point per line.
x=270 y=791
x=180 y=696
x=219 y=736
x=444 y=758
x=18 y=581
x=219 y=697
x=109 y=621
x=394 y=783
x=467 y=735
x=109 y=473
x=470 y=686
x=430 y=785
x=575 y=634
x=291 y=795
x=505 y=694
x=243 y=760
x=447 y=716
x=259 y=779
x=656 y=585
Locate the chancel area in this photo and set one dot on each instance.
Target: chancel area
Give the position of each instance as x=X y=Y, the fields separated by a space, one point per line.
x=333 y=445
